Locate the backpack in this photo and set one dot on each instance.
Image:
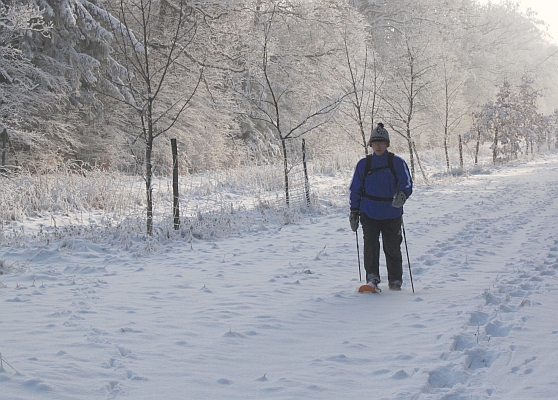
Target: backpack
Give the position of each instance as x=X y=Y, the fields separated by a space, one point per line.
x=368 y=171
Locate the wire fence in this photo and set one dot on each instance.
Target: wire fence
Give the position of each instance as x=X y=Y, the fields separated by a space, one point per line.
x=87 y=201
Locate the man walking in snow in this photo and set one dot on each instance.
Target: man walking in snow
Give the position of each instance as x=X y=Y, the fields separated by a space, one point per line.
x=381 y=184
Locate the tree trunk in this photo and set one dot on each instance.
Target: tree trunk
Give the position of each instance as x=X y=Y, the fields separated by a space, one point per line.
x=446 y=148
x=4 y=146
x=478 y=147
x=495 y=149
x=411 y=152
x=364 y=141
x=419 y=163
x=149 y=165
x=306 y=181
x=149 y=183
x=460 y=152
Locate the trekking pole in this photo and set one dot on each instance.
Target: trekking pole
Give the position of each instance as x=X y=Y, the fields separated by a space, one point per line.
x=358 y=256
x=407 y=251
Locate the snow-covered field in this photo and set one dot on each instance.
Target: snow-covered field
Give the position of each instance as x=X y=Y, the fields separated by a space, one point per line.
x=275 y=314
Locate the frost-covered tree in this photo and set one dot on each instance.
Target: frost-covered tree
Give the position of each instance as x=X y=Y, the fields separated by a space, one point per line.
x=409 y=77
x=505 y=120
x=155 y=70
x=532 y=127
x=553 y=128
x=167 y=70
x=499 y=42
x=283 y=90
x=67 y=61
x=446 y=106
x=360 y=75
x=31 y=99
x=417 y=44
x=511 y=119
x=316 y=51
x=483 y=44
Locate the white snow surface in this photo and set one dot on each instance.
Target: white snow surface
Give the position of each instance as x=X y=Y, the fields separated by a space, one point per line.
x=276 y=314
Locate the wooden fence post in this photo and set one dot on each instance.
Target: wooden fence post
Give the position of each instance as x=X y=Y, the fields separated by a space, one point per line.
x=175 y=203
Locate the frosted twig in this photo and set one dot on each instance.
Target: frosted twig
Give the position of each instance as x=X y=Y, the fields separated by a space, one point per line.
x=321 y=252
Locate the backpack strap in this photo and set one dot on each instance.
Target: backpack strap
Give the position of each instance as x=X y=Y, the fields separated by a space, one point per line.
x=391 y=167
x=368 y=170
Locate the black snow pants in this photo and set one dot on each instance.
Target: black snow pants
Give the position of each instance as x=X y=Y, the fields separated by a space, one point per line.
x=391 y=242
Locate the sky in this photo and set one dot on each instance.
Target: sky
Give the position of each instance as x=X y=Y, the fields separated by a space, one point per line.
x=274 y=312
x=546 y=10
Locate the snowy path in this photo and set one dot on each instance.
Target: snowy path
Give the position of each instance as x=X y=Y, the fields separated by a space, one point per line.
x=276 y=314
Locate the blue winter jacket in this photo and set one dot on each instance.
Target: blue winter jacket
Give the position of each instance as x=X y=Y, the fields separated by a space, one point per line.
x=381 y=184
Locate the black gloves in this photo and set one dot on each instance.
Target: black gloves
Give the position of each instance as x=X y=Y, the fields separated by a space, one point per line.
x=353 y=219
x=399 y=199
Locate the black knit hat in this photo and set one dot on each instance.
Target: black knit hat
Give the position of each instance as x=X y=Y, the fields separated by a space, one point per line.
x=379 y=134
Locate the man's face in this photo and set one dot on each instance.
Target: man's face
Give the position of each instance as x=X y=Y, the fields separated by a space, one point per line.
x=379 y=148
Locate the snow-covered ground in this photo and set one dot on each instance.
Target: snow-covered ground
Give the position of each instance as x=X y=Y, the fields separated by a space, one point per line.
x=275 y=314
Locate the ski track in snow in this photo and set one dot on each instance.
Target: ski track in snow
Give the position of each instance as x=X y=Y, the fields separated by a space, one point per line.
x=276 y=314
x=512 y=219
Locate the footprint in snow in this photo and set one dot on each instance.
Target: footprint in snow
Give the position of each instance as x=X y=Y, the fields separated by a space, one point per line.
x=16 y=300
x=401 y=374
x=234 y=335
x=38 y=385
x=479 y=318
x=480 y=358
x=528 y=370
x=124 y=352
x=381 y=372
x=498 y=329
x=133 y=376
x=446 y=377
x=262 y=378
x=111 y=388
